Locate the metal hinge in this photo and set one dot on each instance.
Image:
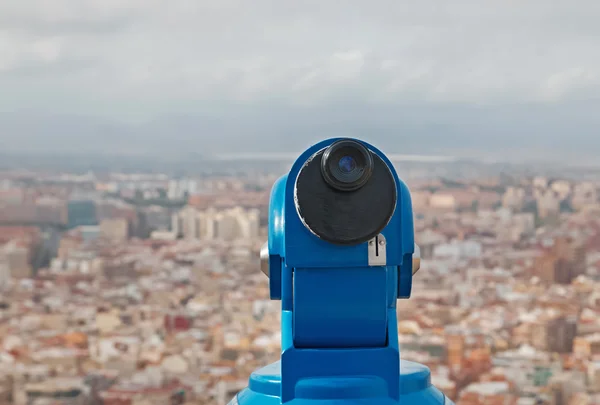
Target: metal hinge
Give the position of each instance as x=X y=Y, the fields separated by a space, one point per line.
x=377 y=251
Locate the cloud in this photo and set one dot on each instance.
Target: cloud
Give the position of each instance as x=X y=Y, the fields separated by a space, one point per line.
x=146 y=60
x=68 y=17
x=464 y=50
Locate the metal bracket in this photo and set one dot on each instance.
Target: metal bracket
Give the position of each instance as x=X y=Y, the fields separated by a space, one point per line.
x=377 y=251
x=264 y=259
x=416 y=265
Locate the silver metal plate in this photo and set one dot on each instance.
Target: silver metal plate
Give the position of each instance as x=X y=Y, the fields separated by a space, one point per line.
x=377 y=251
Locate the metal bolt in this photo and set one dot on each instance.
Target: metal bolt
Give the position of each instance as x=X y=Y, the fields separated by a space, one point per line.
x=382 y=242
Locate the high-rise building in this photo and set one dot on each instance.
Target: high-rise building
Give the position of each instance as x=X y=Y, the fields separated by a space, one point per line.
x=227 y=224
x=561 y=262
x=555 y=335
x=562 y=334
x=548 y=204
x=514 y=198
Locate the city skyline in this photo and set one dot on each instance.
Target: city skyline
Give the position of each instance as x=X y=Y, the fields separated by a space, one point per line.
x=139 y=288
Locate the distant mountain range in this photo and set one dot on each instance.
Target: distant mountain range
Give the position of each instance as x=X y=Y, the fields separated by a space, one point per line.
x=566 y=133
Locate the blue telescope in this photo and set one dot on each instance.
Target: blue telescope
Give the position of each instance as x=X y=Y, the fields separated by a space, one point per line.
x=340 y=253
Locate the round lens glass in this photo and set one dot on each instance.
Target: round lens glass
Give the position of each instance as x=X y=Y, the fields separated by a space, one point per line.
x=347 y=164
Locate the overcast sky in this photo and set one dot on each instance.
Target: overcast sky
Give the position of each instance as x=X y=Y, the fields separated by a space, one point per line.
x=427 y=76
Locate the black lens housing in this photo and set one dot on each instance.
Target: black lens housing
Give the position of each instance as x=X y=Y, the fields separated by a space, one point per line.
x=341 y=180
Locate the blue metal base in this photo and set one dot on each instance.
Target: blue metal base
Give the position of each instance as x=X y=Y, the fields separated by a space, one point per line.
x=415 y=389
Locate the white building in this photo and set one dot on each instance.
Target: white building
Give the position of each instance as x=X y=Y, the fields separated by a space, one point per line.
x=540 y=182
x=548 y=204
x=562 y=188
x=458 y=250
x=4 y=271
x=443 y=201
x=228 y=224
x=584 y=194
x=513 y=198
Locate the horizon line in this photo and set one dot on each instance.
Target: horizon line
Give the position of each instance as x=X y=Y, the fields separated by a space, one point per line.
x=287 y=156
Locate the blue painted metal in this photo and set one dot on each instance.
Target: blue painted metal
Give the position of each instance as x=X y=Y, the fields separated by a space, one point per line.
x=339 y=326
x=415 y=389
x=325 y=297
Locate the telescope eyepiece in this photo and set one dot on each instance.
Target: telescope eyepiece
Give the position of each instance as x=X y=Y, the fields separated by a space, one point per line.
x=345 y=193
x=346 y=165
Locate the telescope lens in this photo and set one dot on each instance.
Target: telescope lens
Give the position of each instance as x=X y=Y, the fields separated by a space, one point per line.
x=346 y=165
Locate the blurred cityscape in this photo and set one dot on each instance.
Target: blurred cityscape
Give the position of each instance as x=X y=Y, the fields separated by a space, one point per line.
x=139 y=288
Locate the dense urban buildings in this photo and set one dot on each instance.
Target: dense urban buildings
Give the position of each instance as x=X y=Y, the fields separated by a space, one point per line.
x=136 y=289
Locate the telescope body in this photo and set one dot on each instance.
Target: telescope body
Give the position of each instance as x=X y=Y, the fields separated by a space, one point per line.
x=340 y=254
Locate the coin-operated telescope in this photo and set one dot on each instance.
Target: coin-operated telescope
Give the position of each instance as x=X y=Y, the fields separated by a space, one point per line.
x=340 y=253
